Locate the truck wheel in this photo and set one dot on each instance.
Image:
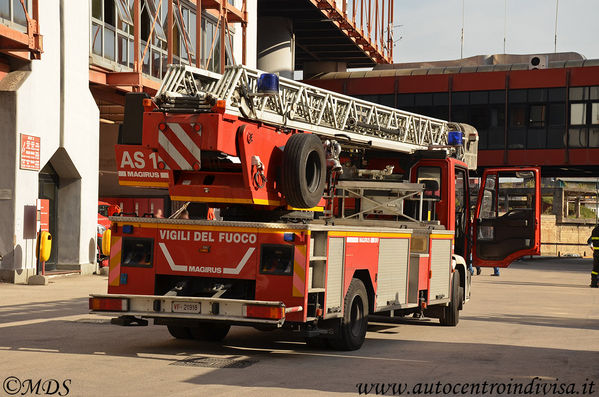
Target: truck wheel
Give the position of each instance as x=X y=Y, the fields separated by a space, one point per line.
x=451 y=313
x=304 y=170
x=212 y=332
x=179 y=332
x=354 y=323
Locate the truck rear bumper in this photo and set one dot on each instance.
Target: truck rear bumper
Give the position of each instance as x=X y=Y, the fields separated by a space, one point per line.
x=192 y=308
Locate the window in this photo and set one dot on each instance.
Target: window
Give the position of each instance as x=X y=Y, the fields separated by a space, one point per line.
x=578 y=113
x=518 y=116
x=137 y=252
x=276 y=259
x=479 y=97
x=537 y=116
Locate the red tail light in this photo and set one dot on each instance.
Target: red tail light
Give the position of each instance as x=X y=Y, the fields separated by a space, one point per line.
x=271 y=312
x=109 y=304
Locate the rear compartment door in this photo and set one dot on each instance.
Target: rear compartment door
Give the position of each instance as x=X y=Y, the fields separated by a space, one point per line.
x=507 y=222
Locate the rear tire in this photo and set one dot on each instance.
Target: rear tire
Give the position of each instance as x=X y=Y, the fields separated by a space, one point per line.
x=451 y=313
x=179 y=332
x=212 y=332
x=352 y=330
x=304 y=170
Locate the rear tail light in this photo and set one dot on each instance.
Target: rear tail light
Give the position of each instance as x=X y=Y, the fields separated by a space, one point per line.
x=109 y=304
x=271 y=312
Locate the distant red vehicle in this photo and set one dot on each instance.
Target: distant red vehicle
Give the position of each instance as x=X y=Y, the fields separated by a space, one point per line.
x=104 y=211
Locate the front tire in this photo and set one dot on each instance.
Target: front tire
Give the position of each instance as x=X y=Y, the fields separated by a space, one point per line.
x=451 y=313
x=352 y=330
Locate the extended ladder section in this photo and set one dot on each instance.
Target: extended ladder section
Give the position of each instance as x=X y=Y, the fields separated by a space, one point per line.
x=304 y=107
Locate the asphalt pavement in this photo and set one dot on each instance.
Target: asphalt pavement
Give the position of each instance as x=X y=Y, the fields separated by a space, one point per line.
x=532 y=331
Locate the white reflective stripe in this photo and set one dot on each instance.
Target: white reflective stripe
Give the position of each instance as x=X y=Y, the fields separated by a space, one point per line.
x=186 y=140
x=241 y=264
x=169 y=259
x=172 y=151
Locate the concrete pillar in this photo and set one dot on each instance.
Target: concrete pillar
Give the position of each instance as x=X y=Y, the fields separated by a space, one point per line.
x=311 y=69
x=558 y=204
x=577 y=204
x=276 y=46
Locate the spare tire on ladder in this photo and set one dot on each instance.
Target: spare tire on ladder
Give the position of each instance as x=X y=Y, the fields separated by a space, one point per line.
x=304 y=170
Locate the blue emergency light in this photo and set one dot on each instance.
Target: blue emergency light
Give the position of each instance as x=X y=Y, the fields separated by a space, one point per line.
x=455 y=138
x=268 y=83
x=127 y=229
x=289 y=237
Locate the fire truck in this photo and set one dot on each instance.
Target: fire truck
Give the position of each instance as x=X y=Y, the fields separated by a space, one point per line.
x=330 y=208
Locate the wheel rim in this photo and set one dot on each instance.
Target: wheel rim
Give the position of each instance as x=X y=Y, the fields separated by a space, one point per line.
x=313 y=171
x=356 y=316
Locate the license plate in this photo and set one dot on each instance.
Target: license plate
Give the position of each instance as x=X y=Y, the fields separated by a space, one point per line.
x=186 y=307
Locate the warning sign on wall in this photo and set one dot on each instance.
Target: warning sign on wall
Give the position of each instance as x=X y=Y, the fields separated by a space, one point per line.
x=30 y=152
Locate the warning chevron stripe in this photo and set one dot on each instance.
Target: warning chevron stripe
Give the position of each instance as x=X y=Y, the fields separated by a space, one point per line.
x=180 y=146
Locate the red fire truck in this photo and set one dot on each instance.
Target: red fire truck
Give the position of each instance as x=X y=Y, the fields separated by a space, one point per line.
x=331 y=208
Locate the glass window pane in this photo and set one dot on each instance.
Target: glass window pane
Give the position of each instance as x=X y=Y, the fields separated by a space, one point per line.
x=459 y=98
x=594 y=137
x=557 y=114
x=423 y=99
x=192 y=33
x=97 y=9
x=405 y=100
x=578 y=113
x=497 y=118
x=122 y=43
x=496 y=138
x=152 y=9
x=556 y=94
x=594 y=93
x=556 y=138
x=516 y=138
x=517 y=96
x=146 y=60
x=577 y=137
x=595 y=113
x=536 y=138
x=131 y=53
x=497 y=96
x=480 y=117
x=123 y=11
x=18 y=14
x=537 y=116
x=109 y=44
x=441 y=99
x=537 y=95
x=109 y=12
x=96 y=39
x=156 y=64
x=164 y=64
x=479 y=97
x=5 y=9
x=460 y=114
x=579 y=93
x=518 y=116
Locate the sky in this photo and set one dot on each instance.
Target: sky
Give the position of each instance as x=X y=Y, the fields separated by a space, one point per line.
x=430 y=30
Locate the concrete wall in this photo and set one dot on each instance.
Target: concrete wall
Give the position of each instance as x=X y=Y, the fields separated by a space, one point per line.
x=52 y=102
x=563 y=239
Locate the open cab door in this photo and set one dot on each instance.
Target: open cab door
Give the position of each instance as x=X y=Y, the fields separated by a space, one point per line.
x=507 y=222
